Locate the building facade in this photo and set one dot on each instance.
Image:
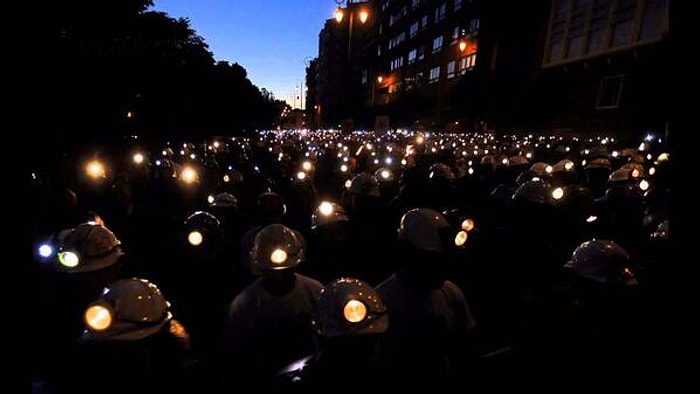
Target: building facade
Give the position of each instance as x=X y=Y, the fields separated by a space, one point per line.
x=464 y=65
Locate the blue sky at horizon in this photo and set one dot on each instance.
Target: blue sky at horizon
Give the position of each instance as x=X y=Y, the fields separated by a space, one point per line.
x=270 y=38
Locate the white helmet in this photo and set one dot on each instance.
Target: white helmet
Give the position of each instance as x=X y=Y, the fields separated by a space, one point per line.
x=349 y=307
x=127 y=310
x=602 y=261
x=328 y=212
x=364 y=185
x=89 y=247
x=277 y=247
x=421 y=227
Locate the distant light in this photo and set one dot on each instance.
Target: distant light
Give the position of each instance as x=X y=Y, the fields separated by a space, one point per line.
x=388 y=160
x=306 y=165
x=68 y=259
x=470 y=171
x=591 y=219
x=548 y=169
x=98 y=318
x=301 y=175
x=385 y=174
x=344 y=168
x=652 y=171
x=615 y=153
x=644 y=185
x=138 y=158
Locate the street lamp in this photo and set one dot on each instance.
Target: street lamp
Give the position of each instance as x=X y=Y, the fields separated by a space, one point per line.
x=352 y=8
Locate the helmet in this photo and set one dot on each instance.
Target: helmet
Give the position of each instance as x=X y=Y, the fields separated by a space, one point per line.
x=534 y=191
x=602 y=261
x=226 y=200
x=89 y=247
x=277 y=247
x=384 y=174
x=518 y=160
x=348 y=307
x=127 y=310
x=620 y=175
x=364 y=185
x=271 y=205
x=440 y=171
x=201 y=228
x=599 y=162
x=421 y=227
x=540 y=169
x=328 y=212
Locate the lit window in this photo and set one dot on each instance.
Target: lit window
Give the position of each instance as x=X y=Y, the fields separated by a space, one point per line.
x=451 y=69
x=412 y=56
x=437 y=44
x=434 y=74
x=413 y=30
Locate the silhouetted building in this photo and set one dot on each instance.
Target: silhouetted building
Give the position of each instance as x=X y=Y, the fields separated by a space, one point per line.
x=310 y=98
x=605 y=66
x=341 y=54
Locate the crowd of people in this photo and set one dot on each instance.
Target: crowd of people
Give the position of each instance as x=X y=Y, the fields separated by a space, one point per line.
x=315 y=260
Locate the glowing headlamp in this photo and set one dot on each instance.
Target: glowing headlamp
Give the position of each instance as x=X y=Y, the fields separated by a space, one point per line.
x=98 y=318
x=354 y=311
x=461 y=238
x=69 y=259
x=558 y=193
x=326 y=208
x=195 y=238
x=45 y=250
x=467 y=224
x=278 y=256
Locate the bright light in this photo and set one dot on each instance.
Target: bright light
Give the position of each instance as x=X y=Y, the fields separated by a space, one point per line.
x=339 y=15
x=348 y=183
x=195 y=238
x=95 y=169
x=615 y=153
x=528 y=155
x=306 y=166
x=210 y=199
x=301 y=175
x=467 y=224
x=278 y=256
x=45 y=250
x=344 y=168
x=363 y=16
x=380 y=79
x=98 y=318
x=388 y=160
x=644 y=185
x=461 y=238
x=354 y=311
x=188 y=175
x=227 y=178
x=462 y=45
x=558 y=193
x=68 y=259
x=138 y=158
x=326 y=208
x=420 y=139
x=385 y=174
x=652 y=171
x=548 y=169
x=568 y=165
